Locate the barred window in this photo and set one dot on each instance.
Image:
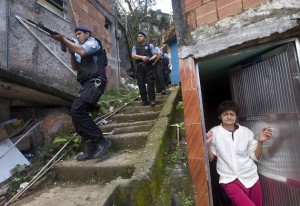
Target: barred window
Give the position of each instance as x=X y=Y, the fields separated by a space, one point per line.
x=58 y=7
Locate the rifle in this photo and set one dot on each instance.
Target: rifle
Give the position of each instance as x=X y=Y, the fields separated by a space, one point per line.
x=46 y=30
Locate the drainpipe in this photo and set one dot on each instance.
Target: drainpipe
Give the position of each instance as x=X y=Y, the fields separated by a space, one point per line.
x=4 y=19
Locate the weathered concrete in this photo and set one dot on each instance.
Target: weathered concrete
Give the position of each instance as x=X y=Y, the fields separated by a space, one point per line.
x=132 y=176
x=145 y=185
x=30 y=58
x=4 y=8
x=71 y=195
x=180 y=19
x=134 y=140
x=134 y=117
x=111 y=127
x=4 y=109
x=138 y=103
x=273 y=18
x=140 y=128
x=140 y=109
x=102 y=171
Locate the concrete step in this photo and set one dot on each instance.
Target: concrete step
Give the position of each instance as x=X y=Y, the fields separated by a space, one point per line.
x=72 y=194
x=110 y=127
x=102 y=170
x=94 y=182
x=130 y=129
x=138 y=103
x=133 y=140
x=133 y=117
x=141 y=109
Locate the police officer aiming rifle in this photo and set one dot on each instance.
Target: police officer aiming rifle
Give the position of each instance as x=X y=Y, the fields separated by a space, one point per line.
x=89 y=59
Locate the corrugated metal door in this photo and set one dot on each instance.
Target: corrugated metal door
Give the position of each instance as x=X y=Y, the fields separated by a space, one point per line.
x=267 y=90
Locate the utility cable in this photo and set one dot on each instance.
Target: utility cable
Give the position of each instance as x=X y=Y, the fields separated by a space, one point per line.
x=105 y=116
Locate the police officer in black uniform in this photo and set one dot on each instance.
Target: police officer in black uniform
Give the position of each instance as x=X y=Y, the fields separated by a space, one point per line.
x=89 y=60
x=159 y=65
x=144 y=55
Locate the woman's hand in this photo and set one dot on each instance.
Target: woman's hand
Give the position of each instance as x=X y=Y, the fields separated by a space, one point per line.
x=209 y=137
x=265 y=134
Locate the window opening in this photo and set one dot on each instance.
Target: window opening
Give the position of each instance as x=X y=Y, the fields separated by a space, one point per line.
x=107 y=23
x=55 y=6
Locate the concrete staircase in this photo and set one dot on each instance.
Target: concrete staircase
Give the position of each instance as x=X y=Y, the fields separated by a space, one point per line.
x=139 y=136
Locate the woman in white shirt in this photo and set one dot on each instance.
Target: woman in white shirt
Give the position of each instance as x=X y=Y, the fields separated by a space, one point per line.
x=235 y=149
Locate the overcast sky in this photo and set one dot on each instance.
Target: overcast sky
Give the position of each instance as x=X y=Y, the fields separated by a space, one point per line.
x=164 y=5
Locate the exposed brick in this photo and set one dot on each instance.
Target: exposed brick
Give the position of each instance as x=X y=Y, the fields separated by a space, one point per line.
x=251 y=3
x=206 y=14
x=85 y=8
x=190 y=5
x=88 y=15
x=107 y=4
x=206 y=1
x=77 y=3
x=94 y=14
x=228 y=7
x=191 y=19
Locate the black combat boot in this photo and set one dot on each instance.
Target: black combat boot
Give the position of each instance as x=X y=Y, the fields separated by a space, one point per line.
x=101 y=148
x=92 y=147
x=145 y=103
x=152 y=103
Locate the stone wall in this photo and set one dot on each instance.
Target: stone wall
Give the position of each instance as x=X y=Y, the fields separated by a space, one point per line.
x=29 y=57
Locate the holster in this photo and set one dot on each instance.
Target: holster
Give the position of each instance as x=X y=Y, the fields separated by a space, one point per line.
x=90 y=93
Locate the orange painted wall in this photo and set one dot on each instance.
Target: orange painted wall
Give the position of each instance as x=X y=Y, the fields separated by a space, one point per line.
x=194 y=130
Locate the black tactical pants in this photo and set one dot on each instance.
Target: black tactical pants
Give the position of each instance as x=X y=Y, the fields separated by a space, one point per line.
x=160 y=82
x=87 y=98
x=145 y=75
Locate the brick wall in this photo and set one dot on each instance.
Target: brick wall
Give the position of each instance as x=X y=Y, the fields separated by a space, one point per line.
x=82 y=12
x=199 y=12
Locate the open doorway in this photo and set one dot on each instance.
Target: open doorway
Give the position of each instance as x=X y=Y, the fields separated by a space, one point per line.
x=244 y=76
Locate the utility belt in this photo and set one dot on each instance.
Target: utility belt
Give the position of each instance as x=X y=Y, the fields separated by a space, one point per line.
x=96 y=80
x=144 y=64
x=90 y=91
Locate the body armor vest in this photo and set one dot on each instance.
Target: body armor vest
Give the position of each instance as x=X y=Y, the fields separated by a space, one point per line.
x=90 y=69
x=164 y=60
x=144 y=50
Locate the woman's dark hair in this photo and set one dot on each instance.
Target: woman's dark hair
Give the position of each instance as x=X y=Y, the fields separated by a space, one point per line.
x=227 y=105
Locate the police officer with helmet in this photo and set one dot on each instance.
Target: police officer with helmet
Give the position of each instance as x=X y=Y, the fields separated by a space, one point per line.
x=88 y=58
x=144 y=55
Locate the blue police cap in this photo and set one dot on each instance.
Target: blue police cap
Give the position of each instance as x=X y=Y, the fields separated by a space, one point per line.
x=83 y=28
x=142 y=33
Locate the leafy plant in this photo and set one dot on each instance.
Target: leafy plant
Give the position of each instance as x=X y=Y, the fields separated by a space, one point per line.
x=179 y=106
x=15 y=181
x=116 y=98
x=186 y=201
